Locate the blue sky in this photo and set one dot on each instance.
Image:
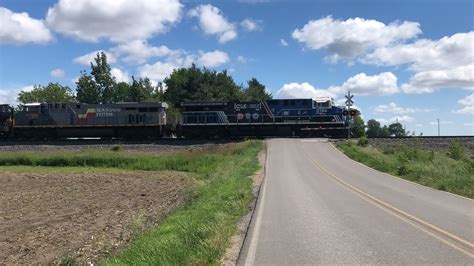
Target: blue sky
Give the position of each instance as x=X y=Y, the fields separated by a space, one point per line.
x=406 y=60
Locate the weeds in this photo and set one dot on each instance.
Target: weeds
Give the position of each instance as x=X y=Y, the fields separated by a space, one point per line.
x=117 y=147
x=363 y=141
x=444 y=171
x=456 y=150
x=67 y=261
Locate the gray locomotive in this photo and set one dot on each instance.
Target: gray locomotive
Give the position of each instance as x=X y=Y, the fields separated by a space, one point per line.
x=78 y=120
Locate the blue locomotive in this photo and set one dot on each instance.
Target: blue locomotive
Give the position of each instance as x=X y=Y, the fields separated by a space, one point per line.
x=277 y=117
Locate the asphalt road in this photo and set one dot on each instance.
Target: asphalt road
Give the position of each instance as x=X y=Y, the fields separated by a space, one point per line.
x=316 y=206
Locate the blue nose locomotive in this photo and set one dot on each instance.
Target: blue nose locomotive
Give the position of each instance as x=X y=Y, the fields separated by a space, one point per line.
x=278 y=117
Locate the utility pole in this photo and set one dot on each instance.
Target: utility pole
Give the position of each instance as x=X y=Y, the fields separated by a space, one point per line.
x=438 y=127
x=349 y=103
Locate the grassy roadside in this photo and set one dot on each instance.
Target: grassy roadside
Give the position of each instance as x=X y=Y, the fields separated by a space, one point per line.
x=429 y=168
x=197 y=233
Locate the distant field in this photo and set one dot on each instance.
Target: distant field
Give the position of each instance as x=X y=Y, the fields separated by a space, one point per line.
x=109 y=207
x=436 y=168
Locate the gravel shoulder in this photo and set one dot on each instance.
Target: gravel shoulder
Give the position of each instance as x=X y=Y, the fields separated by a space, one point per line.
x=47 y=216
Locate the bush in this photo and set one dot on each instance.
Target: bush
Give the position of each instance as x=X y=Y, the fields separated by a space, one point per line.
x=68 y=261
x=456 y=150
x=117 y=147
x=403 y=170
x=363 y=141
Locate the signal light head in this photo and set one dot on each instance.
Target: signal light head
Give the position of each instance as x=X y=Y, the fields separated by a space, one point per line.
x=345 y=113
x=353 y=112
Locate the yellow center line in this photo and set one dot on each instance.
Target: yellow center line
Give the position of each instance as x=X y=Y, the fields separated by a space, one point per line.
x=402 y=215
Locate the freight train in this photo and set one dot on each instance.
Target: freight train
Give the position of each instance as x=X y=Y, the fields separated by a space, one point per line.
x=147 y=120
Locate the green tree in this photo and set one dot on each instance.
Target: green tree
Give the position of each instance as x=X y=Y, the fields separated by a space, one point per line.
x=136 y=93
x=51 y=93
x=104 y=79
x=186 y=84
x=87 y=89
x=121 y=92
x=396 y=129
x=147 y=88
x=373 y=129
x=255 y=91
x=159 y=92
x=358 y=126
x=385 y=133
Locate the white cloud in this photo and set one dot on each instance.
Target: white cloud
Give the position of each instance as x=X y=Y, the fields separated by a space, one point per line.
x=120 y=75
x=361 y=84
x=57 y=73
x=88 y=58
x=212 y=59
x=115 y=20
x=435 y=123
x=469 y=124
x=301 y=90
x=139 y=51
x=468 y=103
x=445 y=53
x=20 y=28
x=283 y=42
x=394 y=108
x=158 y=71
x=213 y=22
x=242 y=59
x=430 y=81
x=9 y=96
x=352 y=37
x=399 y=119
x=251 y=25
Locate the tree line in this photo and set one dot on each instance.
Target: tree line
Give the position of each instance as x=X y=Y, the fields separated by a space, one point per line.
x=373 y=129
x=184 y=84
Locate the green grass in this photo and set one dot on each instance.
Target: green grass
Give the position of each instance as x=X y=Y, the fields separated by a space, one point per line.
x=197 y=233
x=429 y=168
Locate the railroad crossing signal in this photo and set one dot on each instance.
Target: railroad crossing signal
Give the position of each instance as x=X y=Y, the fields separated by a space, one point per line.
x=349 y=100
x=348 y=110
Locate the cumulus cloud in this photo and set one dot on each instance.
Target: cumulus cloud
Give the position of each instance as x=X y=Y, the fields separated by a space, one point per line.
x=395 y=109
x=283 y=42
x=399 y=119
x=213 y=59
x=212 y=22
x=302 y=90
x=20 y=28
x=424 y=55
x=9 y=96
x=352 y=37
x=114 y=20
x=57 y=73
x=251 y=25
x=430 y=81
x=242 y=59
x=88 y=58
x=435 y=123
x=162 y=69
x=382 y=84
x=158 y=71
x=120 y=75
x=139 y=51
x=468 y=103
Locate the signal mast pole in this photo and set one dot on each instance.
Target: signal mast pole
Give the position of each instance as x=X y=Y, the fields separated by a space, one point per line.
x=349 y=103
